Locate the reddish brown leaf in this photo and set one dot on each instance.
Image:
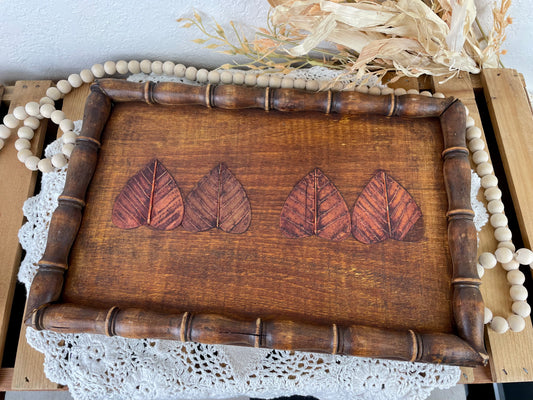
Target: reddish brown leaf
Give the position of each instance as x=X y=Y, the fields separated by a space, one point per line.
x=315 y=207
x=217 y=201
x=150 y=197
x=383 y=210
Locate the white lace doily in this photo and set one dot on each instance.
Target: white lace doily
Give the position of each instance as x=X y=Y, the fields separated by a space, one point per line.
x=100 y=367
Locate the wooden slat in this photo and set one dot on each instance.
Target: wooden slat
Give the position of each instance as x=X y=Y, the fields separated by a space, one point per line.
x=475 y=375
x=29 y=374
x=513 y=126
x=17 y=183
x=511 y=354
x=6 y=377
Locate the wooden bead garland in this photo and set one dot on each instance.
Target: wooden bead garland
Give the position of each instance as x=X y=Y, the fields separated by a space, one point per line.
x=505 y=254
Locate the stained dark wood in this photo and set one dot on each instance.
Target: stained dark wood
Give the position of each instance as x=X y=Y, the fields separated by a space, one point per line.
x=406 y=300
x=383 y=210
x=315 y=207
x=150 y=197
x=218 y=201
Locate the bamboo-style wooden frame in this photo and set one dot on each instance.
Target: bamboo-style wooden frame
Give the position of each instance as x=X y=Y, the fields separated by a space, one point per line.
x=466 y=347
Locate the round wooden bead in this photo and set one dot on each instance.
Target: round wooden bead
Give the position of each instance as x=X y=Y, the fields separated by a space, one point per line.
x=179 y=70
x=168 y=68
x=503 y=255
x=374 y=90
x=21 y=144
x=45 y=165
x=20 y=113
x=499 y=324
x=509 y=244
x=489 y=181
x=516 y=277
x=32 y=108
x=495 y=206
x=493 y=193
x=46 y=100
x=503 y=234
x=511 y=265
x=487 y=316
x=439 y=95
x=312 y=85
x=86 y=76
x=122 y=67
x=98 y=70
x=57 y=116
x=470 y=122
x=59 y=160
x=400 y=91
x=426 y=93
x=521 y=308
x=32 y=122
x=201 y=75
x=362 y=89
x=23 y=154
x=476 y=145
x=66 y=125
x=25 y=132
x=250 y=79
x=274 y=81
x=31 y=163
x=110 y=67
x=516 y=323
x=480 y=270
x=299 y=83
x=487 y=260
x=498 y=220
x=53 y=93
x=190 y=73
x=134 y=66
x=262 y=80
x=64 y=86
x=473 y=133
x=146 y=66
x=10 y=121
x=157 y=67
x=67 y=148
x=213 y=77
x=484 y=169
x=5 y=132
x=518 y=293
x=69 y=137
x=46 y=110
x=287 y=83
x=2 y=143
x=226 y=77
x=524 y=256
x=480 y=156
x=387 y=91
x=238 y=78
x=412 y=91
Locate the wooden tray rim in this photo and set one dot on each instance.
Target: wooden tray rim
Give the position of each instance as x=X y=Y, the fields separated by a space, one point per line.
x=466 y=347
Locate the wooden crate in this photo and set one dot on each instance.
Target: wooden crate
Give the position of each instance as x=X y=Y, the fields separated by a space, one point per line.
x=511 y=120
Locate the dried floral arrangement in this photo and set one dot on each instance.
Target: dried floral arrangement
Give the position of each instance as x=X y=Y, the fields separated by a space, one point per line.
x=366 y=37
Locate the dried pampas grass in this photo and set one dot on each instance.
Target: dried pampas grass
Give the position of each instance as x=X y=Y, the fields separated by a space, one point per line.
x=411 y=37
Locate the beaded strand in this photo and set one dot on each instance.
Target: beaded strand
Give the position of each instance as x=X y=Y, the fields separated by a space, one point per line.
x=31 y=114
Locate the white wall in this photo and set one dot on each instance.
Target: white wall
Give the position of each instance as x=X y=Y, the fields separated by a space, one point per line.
x=51 y=39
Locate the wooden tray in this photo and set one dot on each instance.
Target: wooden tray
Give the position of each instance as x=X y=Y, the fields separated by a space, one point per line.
x=400 y=281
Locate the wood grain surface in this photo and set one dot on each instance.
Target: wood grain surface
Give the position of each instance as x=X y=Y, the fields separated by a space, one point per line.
x=225 y=274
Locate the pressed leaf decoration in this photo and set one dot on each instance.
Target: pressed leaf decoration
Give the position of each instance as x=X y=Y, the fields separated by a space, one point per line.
x=218 y=201
x=150 y=197
x=315 y=207
x=383 y=210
